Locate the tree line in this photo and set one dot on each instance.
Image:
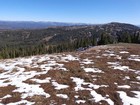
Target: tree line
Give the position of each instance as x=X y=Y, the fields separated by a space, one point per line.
x=85 y=42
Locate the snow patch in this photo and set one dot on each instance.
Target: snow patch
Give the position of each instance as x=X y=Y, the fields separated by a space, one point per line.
x=113 y=63
x=69 y=58
x=134 y=58
x=138 y=78
x=98 y=98
x=76 y=96
x=62 y=96
x=80 y=101
x=79 y=82
x=59 y=86
x=22 y=102
x=7 y=96
x=124 y=52
x=87 y=61
x=126 y=77
x=94 y=70
x=30 y=90
x=47 y=80
x=108 y=55
x=124 y=86
x=130 y=100
x=119 y=67
x=118 y=57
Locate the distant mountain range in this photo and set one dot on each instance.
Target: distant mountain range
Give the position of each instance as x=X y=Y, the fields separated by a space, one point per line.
x=13 y=25
x=32 y=24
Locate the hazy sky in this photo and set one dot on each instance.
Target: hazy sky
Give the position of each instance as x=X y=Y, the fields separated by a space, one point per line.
x=85 y=11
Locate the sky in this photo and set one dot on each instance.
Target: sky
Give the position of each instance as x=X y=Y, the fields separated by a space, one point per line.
x=75 y=11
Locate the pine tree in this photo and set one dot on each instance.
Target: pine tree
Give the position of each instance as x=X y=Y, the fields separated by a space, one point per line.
x=128 y=38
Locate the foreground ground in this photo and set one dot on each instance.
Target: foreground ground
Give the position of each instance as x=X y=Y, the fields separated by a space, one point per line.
x=103 y=75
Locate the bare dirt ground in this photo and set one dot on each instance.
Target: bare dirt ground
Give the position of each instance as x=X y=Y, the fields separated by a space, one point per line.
x=102 y=75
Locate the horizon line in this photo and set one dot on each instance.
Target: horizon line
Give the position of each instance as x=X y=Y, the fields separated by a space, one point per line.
x=68 y=22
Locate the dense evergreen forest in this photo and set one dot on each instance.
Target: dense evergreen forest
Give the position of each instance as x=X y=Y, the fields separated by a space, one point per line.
x=19 y=43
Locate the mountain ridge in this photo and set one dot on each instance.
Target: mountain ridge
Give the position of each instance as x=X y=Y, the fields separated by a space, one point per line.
x=33 y=24
x=13 y=25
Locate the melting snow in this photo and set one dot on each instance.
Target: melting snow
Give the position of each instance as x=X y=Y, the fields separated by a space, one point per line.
x=59 y=86
x=45 y=67
x=62 y=96
x=124 y=52
x=87 y=61
x=69 y=58
x=116 y=65
x=16 y=79
x=8 y=66
x=130 y=100
x=135 y=82
x=79 y=82
x=30 y=90
x=94 y=70
x=7 y=96
x=134 y=55
x=22 y=102
x=137 y=72
x=118 y=57
x=98 y=98
x=80 y=101
x=113 y=63
x=134 y=58
x=109 y=51
x=98 y=56
x=76 y=96
x=47 y=80
x=107 y=55
x=124 y=86
x=126 y=77
x=15 y=74
x=44 y=58
x=119 y=67
x=138 y=78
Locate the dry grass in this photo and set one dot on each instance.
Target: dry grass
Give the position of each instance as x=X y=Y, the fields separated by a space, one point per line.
x=6 y=90
x=15 y=96
x=108 y=77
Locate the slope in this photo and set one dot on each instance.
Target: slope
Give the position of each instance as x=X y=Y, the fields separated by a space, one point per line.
x=105 y=75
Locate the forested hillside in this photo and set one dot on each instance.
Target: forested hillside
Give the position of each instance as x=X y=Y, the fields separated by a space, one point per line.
x=15 y=43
